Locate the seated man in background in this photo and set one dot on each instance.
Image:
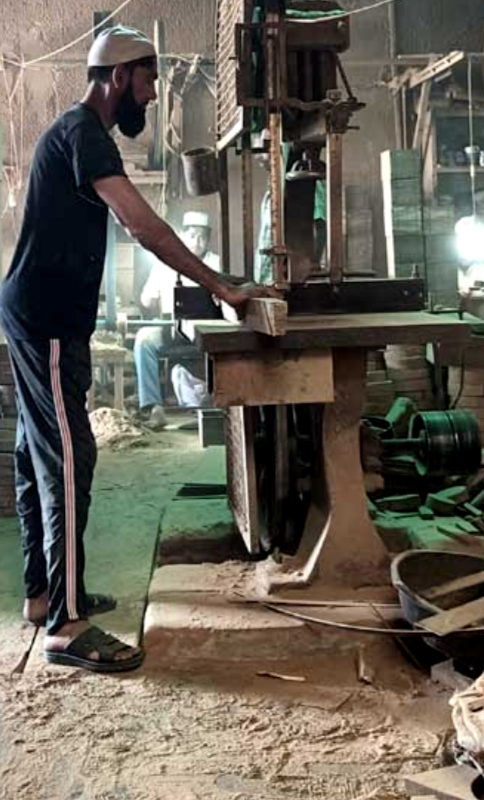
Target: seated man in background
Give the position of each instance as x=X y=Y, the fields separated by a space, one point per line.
x=157 y=297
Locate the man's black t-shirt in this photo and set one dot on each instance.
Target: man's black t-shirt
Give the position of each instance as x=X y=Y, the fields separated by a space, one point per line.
x=52 y=288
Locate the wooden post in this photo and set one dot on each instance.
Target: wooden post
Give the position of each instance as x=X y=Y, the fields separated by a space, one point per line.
x=334 y=145
x=247 y=207
x=119 y=387
x=422 y=114
x=224 y=212
x=156 y=153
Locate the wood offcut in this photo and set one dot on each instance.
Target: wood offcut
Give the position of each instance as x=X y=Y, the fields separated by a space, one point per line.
x=267 y=315
x=454 y=619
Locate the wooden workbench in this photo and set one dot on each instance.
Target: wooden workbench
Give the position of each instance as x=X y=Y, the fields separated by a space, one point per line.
x=323 y=360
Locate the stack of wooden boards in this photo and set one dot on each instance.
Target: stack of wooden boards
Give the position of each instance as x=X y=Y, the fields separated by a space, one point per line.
x=399 y=371
x=8 y=424
x=408 y=370
x=418 y=235
x=379 y=389
x=359 y=230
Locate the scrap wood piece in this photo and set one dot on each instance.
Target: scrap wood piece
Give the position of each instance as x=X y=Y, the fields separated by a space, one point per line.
x=279 y=676
x=365 y=672
x=267 y=315
x=455 y=585
x=454 y=619
x=448 y=783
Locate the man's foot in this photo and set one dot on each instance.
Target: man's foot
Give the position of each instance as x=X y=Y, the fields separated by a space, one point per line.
x=36 y=608
x=79 y=644
x=157 y=419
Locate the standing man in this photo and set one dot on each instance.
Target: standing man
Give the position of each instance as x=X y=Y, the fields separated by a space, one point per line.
x=48 y=306
x=157 y=296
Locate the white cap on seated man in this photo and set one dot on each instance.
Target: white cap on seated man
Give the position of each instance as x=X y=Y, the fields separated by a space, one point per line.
x=158 y=296
x=159 y=288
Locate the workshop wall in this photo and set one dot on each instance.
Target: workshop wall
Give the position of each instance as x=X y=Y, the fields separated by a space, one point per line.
x=41 y=26
x=427 y=26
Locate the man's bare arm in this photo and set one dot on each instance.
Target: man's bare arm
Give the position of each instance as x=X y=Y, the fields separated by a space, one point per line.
x=136 y=215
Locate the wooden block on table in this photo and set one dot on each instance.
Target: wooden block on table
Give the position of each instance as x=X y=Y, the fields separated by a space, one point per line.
x=269 y=378
x=454 y=619
x=267 y=315
x=448 y=783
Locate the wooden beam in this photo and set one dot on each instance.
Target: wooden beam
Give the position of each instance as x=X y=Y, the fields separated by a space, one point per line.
x=456 y=585
x=224 y=212
x=437 y=67
x=423 y=103
x=334 y=183
x=247 y=208
x=267 y=315
x=249 y=379
x=454 y=619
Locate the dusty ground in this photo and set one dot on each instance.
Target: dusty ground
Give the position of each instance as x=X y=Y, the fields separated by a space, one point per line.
x=213 y=734
x=197 y=731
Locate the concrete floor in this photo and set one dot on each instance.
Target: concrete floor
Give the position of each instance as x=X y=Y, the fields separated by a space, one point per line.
x=199 y=723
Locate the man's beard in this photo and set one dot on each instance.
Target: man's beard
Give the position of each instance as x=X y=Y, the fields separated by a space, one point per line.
x=130 y=116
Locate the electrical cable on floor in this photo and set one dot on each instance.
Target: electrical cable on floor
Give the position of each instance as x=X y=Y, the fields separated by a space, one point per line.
x=346 y=626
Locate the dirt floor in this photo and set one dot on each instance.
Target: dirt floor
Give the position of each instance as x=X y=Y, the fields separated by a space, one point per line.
x=196 y=730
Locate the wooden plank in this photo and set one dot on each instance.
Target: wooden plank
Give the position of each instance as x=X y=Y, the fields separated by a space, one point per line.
x=334 y=153
x=273 y=379
x=456 y=585
x=449 y=783
x=119 y=387
x=454 y=619
x=267 y=315
x=341 y=330
x=423 y=103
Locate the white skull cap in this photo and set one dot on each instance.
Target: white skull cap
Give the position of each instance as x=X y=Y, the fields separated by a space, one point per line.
x=196 y=219
x=119 y=45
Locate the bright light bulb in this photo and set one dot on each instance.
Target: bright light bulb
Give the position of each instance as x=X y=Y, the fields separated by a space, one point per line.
x=469 y=233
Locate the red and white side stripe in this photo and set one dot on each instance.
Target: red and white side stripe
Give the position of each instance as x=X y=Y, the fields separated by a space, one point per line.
x=69 y=480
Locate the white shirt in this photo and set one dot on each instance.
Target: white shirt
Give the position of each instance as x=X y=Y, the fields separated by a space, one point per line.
x=467 y=278
x=162 y=280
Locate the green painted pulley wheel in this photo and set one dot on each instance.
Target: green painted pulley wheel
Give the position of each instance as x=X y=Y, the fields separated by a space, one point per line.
x=446 y=442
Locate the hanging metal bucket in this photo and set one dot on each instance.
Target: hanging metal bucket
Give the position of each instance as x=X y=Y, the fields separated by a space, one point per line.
x=201 y=171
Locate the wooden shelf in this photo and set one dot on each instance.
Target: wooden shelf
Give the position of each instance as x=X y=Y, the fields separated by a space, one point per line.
x=458 y=170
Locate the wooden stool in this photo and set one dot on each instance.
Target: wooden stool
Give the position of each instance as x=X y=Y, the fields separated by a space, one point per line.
x=109 y=357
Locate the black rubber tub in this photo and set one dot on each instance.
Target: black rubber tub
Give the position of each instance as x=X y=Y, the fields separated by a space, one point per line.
x=415 y=572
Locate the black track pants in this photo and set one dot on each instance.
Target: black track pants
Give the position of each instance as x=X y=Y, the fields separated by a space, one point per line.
x=55 y=458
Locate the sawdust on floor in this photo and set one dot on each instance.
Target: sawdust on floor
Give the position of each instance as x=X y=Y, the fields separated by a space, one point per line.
x=111 y=427
x=217 y=732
